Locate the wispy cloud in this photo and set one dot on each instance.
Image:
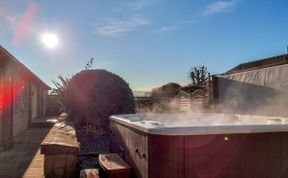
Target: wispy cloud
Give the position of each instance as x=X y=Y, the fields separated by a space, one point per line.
x=220 y=7
x=134 y=5
x=177 y=26
x=186 y=22
x=168 y=28
x=7 y=17
x=116 y=27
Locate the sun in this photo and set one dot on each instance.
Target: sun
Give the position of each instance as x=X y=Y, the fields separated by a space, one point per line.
x=50 y=40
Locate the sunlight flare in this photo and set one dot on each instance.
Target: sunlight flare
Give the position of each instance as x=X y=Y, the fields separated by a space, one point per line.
x=50 y=40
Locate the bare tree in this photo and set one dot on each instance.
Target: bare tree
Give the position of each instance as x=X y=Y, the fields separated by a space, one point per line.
x=199 y=75
x=163 y=96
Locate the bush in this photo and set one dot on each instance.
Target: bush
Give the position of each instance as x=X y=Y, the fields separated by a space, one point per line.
x=163 y=97
x=94 y=95
x=53 y=105
x=167 y=91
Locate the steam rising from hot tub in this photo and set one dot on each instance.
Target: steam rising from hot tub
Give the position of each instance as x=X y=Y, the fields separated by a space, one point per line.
x=244 y=98
x=238 y=98
x=260 y=89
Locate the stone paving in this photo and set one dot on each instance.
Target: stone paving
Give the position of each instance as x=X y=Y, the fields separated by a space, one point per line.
x=24 y=159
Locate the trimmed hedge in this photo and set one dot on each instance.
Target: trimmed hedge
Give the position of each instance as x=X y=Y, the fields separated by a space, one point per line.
x=94 y=95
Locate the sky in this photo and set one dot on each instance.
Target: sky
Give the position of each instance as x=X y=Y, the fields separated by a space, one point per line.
x=147 y=42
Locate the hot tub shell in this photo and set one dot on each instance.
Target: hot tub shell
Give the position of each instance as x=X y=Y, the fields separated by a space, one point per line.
x=155 y=149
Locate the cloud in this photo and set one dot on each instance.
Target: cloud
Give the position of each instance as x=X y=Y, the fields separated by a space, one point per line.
x=168 y=28
x=132 y=5
x=7 y=17
x=177 y=26
x=186 y=22
x=116 y=27
x=219 y=7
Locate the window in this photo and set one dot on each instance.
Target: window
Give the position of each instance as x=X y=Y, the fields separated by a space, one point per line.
x=20 y=97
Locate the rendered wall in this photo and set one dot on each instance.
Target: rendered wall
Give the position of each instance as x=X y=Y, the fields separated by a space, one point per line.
x=263 y=91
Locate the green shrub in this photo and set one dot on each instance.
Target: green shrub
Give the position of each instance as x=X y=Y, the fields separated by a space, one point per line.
x=94 y=95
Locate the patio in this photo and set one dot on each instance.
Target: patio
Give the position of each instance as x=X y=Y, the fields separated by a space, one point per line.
x=24 y=159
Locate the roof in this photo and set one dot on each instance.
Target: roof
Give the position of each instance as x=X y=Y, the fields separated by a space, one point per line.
x=259 y=64
x=5 y=55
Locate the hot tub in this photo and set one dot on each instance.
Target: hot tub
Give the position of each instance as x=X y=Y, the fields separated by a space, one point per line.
x=201 y=145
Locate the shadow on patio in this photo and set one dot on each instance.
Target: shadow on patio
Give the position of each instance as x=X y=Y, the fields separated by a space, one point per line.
x=24 y=159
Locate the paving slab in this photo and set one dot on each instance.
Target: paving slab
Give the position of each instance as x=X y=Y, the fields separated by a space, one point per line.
x=24 y=159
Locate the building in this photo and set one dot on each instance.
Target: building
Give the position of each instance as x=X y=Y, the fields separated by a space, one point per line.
x=143 y=100
x=22 y=98
x=256 y=87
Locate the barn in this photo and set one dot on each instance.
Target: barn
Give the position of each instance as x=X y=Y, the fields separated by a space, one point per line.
x=257 y=87
x=22 y=98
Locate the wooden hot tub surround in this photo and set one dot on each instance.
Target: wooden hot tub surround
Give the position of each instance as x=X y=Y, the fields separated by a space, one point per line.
x=237 y=155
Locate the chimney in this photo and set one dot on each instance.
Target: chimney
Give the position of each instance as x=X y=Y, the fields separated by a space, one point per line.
x=286 y=50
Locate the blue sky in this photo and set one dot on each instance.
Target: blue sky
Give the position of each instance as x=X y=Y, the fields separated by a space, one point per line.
x=147 y=42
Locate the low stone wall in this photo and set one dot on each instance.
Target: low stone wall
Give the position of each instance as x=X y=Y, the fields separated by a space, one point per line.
x=60 y=149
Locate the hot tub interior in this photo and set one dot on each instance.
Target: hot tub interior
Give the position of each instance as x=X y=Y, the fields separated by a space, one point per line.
x=184 y=119
x=201 y=123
